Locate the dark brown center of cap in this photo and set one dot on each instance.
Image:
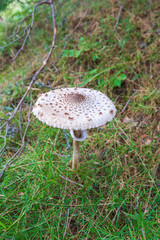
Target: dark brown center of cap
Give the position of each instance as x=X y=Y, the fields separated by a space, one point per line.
x=75 y=98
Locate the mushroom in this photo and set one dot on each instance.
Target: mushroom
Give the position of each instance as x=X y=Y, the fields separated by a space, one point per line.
x=76 y=109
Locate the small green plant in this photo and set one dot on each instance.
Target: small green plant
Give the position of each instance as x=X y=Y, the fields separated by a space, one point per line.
x=117 y=79
x=84 y=47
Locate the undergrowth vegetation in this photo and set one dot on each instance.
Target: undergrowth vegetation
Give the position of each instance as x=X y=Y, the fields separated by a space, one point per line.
x=115 y=192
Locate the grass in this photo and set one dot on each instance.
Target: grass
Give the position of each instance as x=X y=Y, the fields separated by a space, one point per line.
x=115 y=193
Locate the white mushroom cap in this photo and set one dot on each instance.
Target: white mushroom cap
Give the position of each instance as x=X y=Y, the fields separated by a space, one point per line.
x=74 y=108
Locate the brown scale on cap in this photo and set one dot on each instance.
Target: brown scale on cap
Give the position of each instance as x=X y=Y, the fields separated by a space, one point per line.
x=111 y=111
x=75 y=98
x=70 y=118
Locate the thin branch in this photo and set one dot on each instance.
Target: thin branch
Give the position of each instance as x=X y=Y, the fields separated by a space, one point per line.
x=34 y=77
x=5 y=140
x=16 y=38
x=16 y=155
x=20 y=127
x=128 y=102
x=69 y=180
x=29 y=88
x=115 y=217
x=3 y=119
x=19 y=24
x=117 y=98
x=115 y=27
x=24 y=42
x=28 y=28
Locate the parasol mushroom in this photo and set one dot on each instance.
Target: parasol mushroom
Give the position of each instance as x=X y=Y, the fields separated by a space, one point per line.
x=76 y=109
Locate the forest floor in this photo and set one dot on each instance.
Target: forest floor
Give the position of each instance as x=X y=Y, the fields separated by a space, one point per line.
x=115 y=192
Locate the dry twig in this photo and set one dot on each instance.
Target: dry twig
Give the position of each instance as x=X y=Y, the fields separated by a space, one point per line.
x=115 y=27
x=69 y=180
x=32 y=81
x=115 y=217
x=19 y=25
x=128 y=102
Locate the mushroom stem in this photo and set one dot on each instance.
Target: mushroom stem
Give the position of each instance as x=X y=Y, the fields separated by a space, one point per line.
x=75 y=159
x=78 y=135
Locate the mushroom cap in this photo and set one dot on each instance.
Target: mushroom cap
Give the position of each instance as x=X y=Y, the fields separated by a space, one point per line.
x=74 y=108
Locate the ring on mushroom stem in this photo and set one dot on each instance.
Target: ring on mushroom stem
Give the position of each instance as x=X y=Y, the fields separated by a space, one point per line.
x=76 y=109
x=79 y=135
